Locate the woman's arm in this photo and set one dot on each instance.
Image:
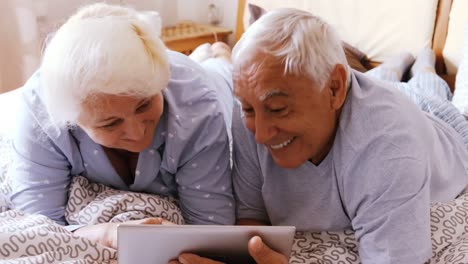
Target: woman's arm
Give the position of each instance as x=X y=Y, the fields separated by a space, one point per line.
x=204 y=181
x=40 y=172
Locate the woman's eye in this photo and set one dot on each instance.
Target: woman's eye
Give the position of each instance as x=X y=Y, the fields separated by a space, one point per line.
x=143 y=107
x=112 y=124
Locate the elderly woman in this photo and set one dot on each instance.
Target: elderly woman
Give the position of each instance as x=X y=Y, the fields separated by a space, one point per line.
x=112 y=104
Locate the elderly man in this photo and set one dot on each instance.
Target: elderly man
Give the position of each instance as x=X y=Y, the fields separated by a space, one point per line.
x=321 y=147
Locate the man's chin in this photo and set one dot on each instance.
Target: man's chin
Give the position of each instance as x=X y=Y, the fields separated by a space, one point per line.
x=287 y=163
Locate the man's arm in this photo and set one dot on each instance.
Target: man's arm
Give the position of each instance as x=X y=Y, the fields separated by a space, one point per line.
x=247 y=176
x=390 y=211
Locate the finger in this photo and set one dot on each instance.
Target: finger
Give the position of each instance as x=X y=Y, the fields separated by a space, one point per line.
x=148 y=221
x=263 y=254
x=153 y=221
x=174 y=262
x=165 y=222
x=187 y=258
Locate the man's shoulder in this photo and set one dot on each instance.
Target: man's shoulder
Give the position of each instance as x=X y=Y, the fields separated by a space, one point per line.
x=375 y=108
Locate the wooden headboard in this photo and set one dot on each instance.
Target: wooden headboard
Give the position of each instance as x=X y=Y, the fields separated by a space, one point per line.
x=438 y=39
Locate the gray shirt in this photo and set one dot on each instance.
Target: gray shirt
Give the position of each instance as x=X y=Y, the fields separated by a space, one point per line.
x=388 y=162
x=187 y=159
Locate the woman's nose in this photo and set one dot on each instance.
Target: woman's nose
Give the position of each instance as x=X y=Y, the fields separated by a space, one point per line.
x=135 y=129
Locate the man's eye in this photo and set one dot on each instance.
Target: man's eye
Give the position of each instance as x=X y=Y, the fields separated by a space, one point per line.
x=248 y=111
x=277 y=110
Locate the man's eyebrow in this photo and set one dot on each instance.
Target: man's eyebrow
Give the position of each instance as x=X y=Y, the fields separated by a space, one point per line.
x=272 y=93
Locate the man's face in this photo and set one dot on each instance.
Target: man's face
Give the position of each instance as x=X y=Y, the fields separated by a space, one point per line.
x=292 y=118
x=121 y=122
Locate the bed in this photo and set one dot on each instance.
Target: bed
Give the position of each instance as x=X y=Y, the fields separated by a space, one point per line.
x=36 y=239
x=381 y=29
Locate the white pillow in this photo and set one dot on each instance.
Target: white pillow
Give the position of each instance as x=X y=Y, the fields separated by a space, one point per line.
x=460 y=97
x=9 y=104
x=6 y=154
x=454 y=41
x=380 y=29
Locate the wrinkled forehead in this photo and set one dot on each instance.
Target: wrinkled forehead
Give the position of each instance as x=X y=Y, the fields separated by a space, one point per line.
x=98 y=105
x=257 y=70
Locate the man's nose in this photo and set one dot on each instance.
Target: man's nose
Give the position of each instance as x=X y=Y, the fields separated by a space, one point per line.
x=264 y=130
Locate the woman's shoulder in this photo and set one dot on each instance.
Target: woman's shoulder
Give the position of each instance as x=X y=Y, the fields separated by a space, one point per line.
x=32 y=116
x=190 y=92
x=182 y=68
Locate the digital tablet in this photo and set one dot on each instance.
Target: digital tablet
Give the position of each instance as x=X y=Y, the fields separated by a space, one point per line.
x=158 y=244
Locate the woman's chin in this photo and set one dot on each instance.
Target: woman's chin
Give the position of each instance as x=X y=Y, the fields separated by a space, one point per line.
x=134 y=146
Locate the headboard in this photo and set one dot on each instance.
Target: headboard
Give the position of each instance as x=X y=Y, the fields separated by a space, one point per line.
x=439 y=31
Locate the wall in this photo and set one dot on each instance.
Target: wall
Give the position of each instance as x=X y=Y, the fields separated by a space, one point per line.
x=170 y=10
x=24 y=24
x=197 y=10
x=19 y=52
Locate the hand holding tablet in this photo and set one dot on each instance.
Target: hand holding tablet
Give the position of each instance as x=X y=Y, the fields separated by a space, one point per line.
x=227 y=244
x=260 y=252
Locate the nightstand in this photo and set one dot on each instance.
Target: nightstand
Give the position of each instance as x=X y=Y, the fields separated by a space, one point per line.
x=187 y=35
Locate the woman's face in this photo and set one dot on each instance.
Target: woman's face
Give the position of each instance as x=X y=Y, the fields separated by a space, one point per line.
x=121 y=122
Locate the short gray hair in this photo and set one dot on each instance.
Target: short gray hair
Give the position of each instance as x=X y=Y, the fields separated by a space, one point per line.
x=304 y=43
x=101 y=49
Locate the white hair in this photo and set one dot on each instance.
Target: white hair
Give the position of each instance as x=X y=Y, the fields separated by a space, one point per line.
x=300 y=41
x=101 y=49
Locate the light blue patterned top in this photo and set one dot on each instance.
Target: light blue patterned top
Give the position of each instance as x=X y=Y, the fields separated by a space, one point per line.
x=188 y=157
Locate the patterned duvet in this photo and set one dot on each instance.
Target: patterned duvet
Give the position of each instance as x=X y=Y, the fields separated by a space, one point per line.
x=37 y=239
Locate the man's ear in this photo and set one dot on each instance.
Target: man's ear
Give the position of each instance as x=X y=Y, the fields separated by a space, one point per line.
x=337 y=86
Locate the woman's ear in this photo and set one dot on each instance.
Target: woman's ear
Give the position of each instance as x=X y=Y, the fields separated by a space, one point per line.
x=338 y=87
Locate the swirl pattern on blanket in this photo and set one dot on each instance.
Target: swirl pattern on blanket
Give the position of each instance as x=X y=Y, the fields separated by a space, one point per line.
x=37 y=239
x=93 y=203
x=449 y=227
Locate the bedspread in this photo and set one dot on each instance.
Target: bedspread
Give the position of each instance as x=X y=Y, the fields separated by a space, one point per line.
x=37 y=239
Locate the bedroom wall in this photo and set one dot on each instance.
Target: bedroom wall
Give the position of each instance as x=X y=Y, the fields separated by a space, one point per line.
x=18 y=39
x=25 y=23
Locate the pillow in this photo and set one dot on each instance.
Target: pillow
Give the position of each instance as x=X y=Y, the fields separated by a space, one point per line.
x=460 y=97
x=379 y=28
x=356 y=58
x=454 y=41
x=9 y=103
x=6 y=151
x=255 y=12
